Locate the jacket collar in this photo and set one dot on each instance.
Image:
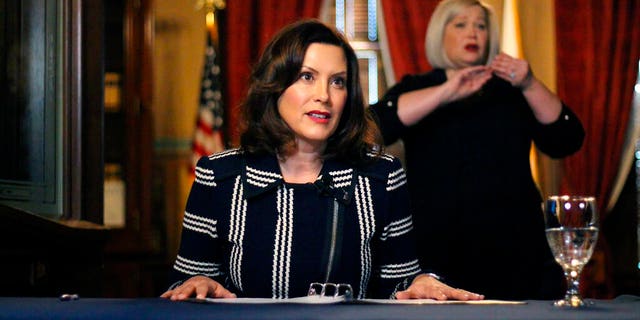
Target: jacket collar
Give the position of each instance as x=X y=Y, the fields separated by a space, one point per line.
x=262 y=174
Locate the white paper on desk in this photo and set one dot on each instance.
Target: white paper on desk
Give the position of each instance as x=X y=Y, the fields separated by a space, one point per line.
x=341 y=299
x=432 y=301
x=300 y=300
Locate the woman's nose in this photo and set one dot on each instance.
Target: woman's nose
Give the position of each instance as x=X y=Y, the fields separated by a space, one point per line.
x=321 y=92
x=472 y=32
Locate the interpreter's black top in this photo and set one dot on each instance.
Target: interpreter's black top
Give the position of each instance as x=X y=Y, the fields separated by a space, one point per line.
x=477 y=210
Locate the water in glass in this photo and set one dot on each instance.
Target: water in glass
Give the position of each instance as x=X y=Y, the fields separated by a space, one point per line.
x=572 y=231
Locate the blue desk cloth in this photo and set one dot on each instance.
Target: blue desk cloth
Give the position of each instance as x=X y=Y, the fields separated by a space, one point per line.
x=623 y=307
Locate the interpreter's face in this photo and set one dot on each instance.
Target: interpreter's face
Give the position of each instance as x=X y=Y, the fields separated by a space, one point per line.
x=313 y=104
x=465 y=37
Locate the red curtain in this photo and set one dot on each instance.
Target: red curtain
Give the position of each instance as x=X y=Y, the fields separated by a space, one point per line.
x=249 y=24
x=406 y=24
x=598 y=47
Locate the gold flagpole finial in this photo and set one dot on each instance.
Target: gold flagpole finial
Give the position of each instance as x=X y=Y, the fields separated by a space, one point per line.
x=211 y=6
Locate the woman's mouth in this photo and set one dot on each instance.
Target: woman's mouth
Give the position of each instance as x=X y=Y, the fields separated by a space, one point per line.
x=319 y=116
x=472 y=47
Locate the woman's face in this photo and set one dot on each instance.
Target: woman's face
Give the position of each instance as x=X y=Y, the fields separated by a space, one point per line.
x=465 y=37
x=313 y=104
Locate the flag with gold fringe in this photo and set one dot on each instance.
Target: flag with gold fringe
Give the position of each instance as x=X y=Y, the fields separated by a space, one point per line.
x=209 y=132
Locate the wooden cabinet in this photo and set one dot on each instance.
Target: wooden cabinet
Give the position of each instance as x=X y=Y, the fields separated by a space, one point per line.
x=45 y=257
x=51 y=233
x=65 y=247
x=128 y=142
x=133 y=256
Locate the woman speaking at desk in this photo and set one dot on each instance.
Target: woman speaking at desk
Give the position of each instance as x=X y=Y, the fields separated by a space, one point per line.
x=308 y=196
x=467 y=128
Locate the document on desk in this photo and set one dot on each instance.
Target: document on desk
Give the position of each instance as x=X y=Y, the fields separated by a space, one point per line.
x=341 y=299
x=319 y=293
x=297 y=300
x=433 y=301
x=334 y=293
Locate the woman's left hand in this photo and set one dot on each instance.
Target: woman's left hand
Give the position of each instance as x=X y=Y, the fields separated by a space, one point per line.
x=427 y=287
x=514 y=70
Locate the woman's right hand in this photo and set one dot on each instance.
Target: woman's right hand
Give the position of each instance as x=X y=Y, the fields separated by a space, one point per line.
x=464 y=82
x=461 y=83
x=201 y=286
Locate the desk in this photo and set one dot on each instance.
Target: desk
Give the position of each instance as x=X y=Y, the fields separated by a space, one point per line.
x=623 y=307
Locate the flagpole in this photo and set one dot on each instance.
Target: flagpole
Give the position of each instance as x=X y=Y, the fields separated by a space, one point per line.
x=209 y=131
x=211 y=20
x=211 y=6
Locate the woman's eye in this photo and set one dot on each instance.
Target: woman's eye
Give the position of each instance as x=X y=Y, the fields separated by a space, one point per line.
x=481 y=26
x=339 y=82
x=459 y=25
x=306 y=76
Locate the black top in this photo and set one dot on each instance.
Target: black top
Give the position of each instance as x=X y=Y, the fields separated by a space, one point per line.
x=261 y=237
x=476 y=208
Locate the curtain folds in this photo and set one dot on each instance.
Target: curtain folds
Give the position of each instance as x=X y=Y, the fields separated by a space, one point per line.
x=405 y=23
x=598 y=49
x=249 y=25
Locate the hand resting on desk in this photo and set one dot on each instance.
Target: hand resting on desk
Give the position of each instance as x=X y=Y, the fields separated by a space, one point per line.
x=423 y=287
x=201 y=286
x=427 y=287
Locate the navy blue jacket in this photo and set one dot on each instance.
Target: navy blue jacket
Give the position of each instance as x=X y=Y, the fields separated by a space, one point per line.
x=262 y=237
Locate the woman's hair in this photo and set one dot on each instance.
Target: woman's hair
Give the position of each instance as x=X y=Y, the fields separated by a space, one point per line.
x=447 y=10
x=263 y=131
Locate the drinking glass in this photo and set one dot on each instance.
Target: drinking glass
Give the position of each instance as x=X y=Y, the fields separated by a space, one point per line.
x=571 y=224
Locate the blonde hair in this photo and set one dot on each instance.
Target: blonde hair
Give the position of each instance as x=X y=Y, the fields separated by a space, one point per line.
x=445 y=12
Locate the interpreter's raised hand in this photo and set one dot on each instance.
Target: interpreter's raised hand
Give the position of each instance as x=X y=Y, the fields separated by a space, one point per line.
x=200 y=286
x=514 y=70
x=464 y=82
x=427 y=287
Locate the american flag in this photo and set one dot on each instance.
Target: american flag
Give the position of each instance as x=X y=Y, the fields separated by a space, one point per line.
x=208 y=137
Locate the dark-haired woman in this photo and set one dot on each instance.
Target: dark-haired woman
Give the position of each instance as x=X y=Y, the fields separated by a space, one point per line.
x=308 y=196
